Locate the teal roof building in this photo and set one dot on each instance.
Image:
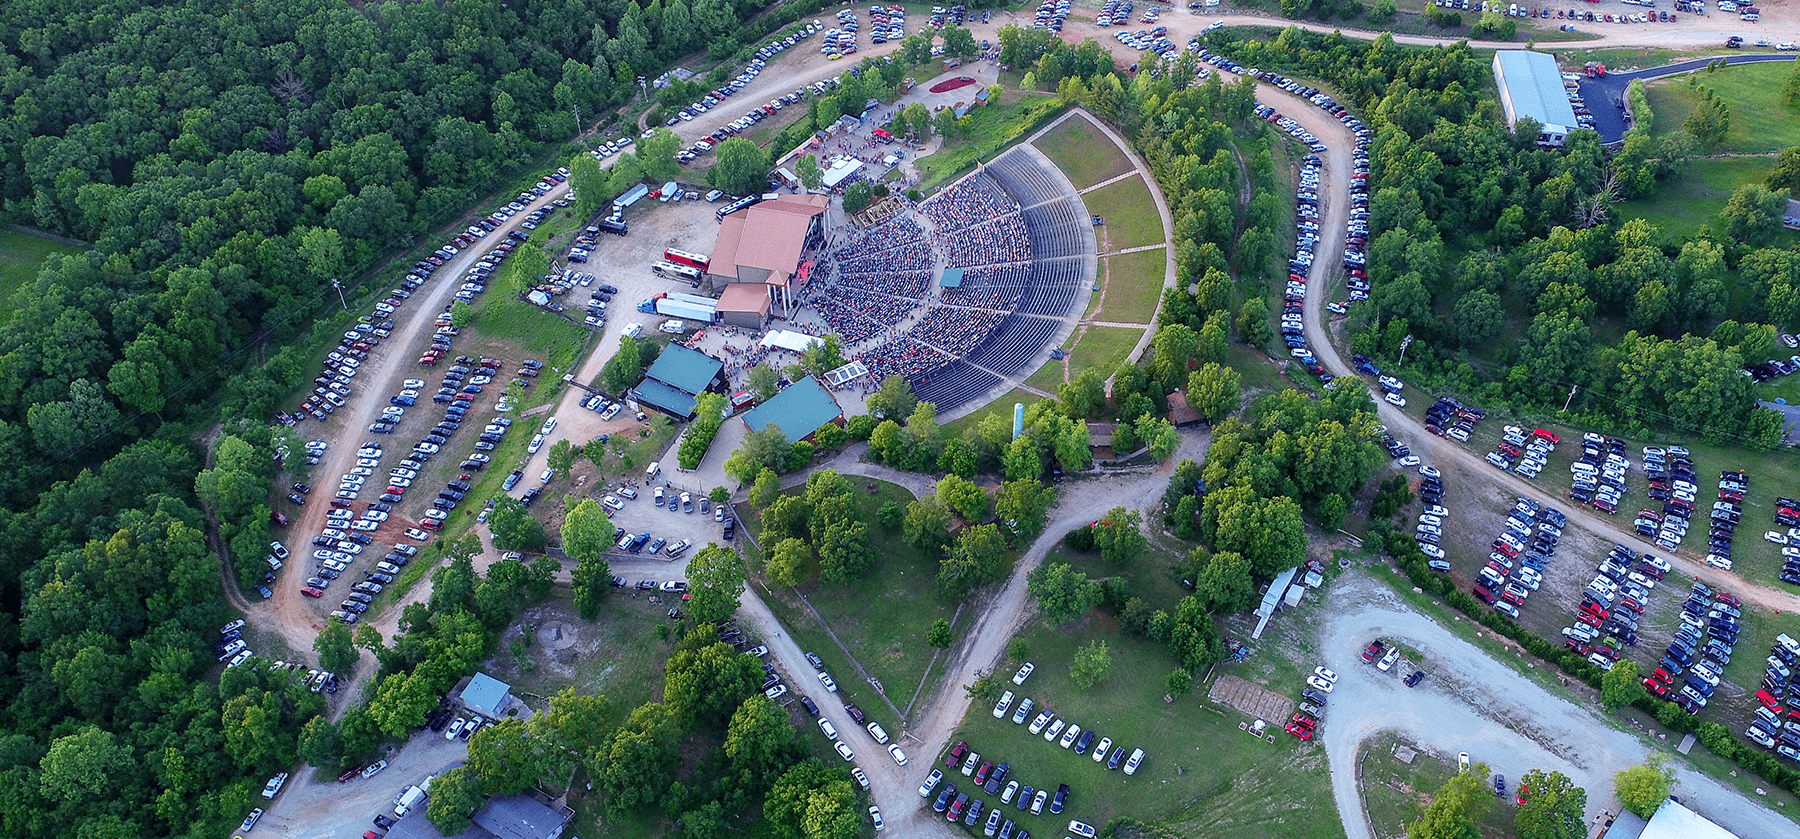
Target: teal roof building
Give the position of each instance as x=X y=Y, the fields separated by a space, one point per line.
x=798 y=410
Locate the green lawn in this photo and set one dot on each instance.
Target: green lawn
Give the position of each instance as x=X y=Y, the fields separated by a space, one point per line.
x=1759 y=121
x=1050 y=376
x=1101 y=348
x=990 y=130
x=1131 y=217
x=1258 y=372
x=881 y=618
x=1099 y=282
x=21 y=253
x=1084 y=154
x=1134 y=283
x=1396 y=793
x=1695 y=195
x=1201 y=776
x=1003 y=404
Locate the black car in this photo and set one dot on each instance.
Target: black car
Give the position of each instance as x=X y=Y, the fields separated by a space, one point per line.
x=384 y=822
x=1057 y=800
x=811 y=707
x=1413 y=680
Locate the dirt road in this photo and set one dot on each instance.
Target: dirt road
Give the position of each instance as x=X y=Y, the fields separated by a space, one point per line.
x=1510 y=723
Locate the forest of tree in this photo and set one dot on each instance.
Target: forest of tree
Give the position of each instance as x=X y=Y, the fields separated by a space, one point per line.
x=1501 y=258
x=227 y=161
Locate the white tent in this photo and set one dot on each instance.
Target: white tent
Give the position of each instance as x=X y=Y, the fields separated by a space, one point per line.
x=841 y=170
x=788 y=339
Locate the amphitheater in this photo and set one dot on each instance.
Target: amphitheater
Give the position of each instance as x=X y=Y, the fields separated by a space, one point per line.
x=1017 y=233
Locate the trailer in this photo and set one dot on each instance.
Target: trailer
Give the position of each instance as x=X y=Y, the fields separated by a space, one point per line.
x=688 y=309
x=631 y=196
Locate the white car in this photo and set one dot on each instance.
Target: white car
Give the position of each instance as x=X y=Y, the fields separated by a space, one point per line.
x=1387 y=661
x=537 y=442
x=1409 y=460
x=1004 y=703
x=1775 y=536
x=875 y=816
x=843 y=749
x=1100 y=749
x=829 y=729
x=1024 y=673
x=1430 y=550
x=898 y=755
x=549 y=426
x=1319 y=684
x=1395 y=400
x=612 y=503
x=1325 y=674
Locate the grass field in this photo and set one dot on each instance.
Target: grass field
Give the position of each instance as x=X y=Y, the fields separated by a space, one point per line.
x=881 y=618
x=1101 y=348
x=1003 y=404
x=1134 y=284
x=1083 y=153
x=991 y=130
x=1201 y=776
x=1695 y=195
x=1759 y=122
x=1131 y=217
x=20 y=255
x=1395 y=793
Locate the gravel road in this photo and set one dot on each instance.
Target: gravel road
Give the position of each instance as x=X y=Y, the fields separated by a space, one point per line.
x=1508 y=722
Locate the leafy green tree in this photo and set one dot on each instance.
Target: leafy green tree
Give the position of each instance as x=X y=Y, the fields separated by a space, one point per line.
x=977 y=558
x=1710 y=120
x=1225 y=584
x=506 y=758
x=635 y=767
x=1479 y=318
x=927 y=524
x=1554 y=807
x=1644 y=787
x=707 y=682
x=939 y=634
x=895 y=399
x=1024 y=504
x=1092 y=664
x=787 y=562
x=1453 y=813
x=958 y=42
x=1062 y=593
x=333 y=646
x=561 y=456
x=742 y=167
x=812 y=801
x=716 y=577
x=515 y=528
x=586 y=538
x=766 y=489
x=1179 y=683
x=321 y=743
x=760 y=742
x=455 y=796
x=1083 y=396
x=1753 y=214
x=87 y=768
x=807 y=169
x=1119 y=535
x=857 y=197
x=968 y=500
x=1215 y=391
x=1786 y=174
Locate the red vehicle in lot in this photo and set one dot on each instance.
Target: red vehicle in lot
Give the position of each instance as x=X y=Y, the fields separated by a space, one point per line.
x=1546 y=436
x=1483 y=595
x=1374 y=651
x=1768 y=701
x=956 y=753
x=1301 y=726
x=1512 y=595
x=430 y=524
x=1727 y=599
x=313 y=592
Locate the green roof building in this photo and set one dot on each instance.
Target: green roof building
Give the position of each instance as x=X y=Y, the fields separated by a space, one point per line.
x=798 y=410
x=676 y=378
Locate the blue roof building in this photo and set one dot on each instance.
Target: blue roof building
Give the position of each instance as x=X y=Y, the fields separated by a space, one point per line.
x=677 y=377
x=798 y=410
x=1531 y=86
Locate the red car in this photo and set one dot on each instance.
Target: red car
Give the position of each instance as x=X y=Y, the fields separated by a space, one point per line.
x=313 y=592
x=1512 y=595
x=1727 y=599
x=1373 y=652
x=278 y=518
x=430 y=524
x=1299 y=731
x=956 y=753
x=348 y=774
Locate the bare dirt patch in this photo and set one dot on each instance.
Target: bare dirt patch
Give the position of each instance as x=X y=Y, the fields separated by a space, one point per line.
x=1255 y=700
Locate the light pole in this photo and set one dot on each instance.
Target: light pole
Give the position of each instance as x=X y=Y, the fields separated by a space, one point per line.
x=1404 y=343
x=339 y=285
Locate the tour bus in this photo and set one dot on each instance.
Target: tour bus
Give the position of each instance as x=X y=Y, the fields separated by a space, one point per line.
x=677 y=272
x=692 y=260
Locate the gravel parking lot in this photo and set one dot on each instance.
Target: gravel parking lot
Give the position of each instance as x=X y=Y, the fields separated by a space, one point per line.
x=1472 y=703
x=313 y=808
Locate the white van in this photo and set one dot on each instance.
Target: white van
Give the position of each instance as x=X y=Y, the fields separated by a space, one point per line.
x=651 y=470
x=632 y=330
x=673 y=327
x=408 y=799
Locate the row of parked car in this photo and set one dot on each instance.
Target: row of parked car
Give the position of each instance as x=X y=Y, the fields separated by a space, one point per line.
x=1613 y=605
x=1050 y=14
x=1777 y=726
x=1515 y=568
x=1699 y=651
x=1429 y=533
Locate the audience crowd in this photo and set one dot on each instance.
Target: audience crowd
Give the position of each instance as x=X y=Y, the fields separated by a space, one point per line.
x=1003 y=242
x=968 y=202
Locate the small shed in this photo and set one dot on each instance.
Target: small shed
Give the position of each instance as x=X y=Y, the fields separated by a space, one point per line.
x=1180 y=412
x=486 y=695
x=1100 y=434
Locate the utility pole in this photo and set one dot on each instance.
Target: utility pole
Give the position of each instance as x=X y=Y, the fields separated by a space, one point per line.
x=1404 y=343
x=339 y=285
x=1571 y=399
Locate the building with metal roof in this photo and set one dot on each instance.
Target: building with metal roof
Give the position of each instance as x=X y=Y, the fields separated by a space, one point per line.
x=1673 y=820
x=798 y=410
x=1531 y=86
x=763 y=243
x=533 y=815
x=486 y=695
x=677 y=377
